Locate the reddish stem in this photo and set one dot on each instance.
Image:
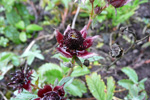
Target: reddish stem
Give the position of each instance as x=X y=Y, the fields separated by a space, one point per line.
x=93 y=16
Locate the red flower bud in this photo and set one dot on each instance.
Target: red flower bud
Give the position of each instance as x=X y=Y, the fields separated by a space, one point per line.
x=97 y=10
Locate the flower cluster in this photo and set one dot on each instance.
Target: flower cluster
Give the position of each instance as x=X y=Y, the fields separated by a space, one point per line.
x=74 y=43
x=21 y=80
x=49 y=93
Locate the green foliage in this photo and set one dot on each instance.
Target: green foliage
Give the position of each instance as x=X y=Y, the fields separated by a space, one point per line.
x=136 y=89
x=77 y=60
x=32 y=54
x=110 y=88
x=20 y=25
x=23 y=36
x=109 y=13
x=60 y=57
x=145 y=45
x=98 y=89
x=16 y=26
x=3 y=41
x=5 y=65
x=34 y=27
x=131 y=74
x=77 y=88
x=80 y=71
x=24 y=95
x=12 y=33
x=51 y=72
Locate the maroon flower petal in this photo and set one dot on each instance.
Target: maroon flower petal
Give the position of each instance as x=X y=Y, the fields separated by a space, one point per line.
x=89 y=41
x=86 y=54
x=84 y=32
x=59 y=36
x=46 y=88
x=27 y=86
x=64 y=52
x=118 y=3
x=59 y=90
x=68 y=28
x=37 y=99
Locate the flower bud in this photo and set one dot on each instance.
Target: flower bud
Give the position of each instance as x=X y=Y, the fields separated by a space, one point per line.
x=97 y=10
x=86 y=62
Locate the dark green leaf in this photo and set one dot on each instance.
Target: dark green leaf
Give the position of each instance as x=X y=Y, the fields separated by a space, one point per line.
x=77 y=60
x=12 y=33
x=12 y=17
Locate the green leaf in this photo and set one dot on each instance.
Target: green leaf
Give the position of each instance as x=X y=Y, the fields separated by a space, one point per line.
x=12 y=33
x=8 y=4
x=77 y=60
x=80 y=71
x=23 y=37
x=77 y=88
x=5 y=57
x=50 y=71
x=60 y=57
x=66 y=3
x=20 y=25
x=32 y=54
x=96 y=86
x=30 y=59
x=145 y=45
x=52 y=75
x=34 y=27
x=133 y=91
x=15 y=60
x=141 y=84
x=125 y=83
x=92 y=59
x=64 y=80
x=110 y=88
x=131 y=74
x=4 y=70
x=3 y=41
x=12 y=17
x=23 y=12
x=25 y=95
x=48 y=66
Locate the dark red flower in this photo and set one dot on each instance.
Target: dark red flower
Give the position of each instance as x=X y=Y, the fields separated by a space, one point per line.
x=21 y=80
x=74 y=43
x=49 y=93
x=118 y=3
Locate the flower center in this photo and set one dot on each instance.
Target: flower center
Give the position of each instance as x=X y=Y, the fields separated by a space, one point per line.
x=73 y=40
